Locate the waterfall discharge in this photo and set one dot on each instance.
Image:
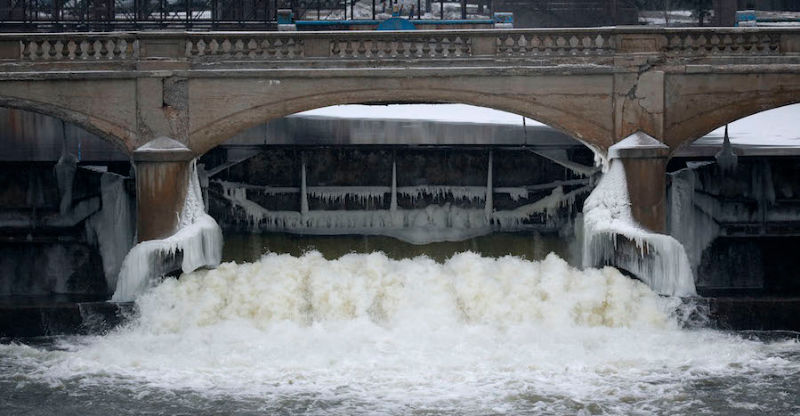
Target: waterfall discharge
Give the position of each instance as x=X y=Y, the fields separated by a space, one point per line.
x=365 y=334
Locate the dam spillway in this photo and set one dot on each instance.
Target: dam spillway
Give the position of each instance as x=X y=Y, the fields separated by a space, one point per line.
x=504 y=329
x=428 y=182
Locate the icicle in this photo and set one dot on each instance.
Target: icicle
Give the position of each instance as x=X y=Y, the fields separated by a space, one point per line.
x=393 y=205
x=303 y=191
x=468 y=193
x=65 y=170
x=488 y=205
x=726 y=157
x=339 y=194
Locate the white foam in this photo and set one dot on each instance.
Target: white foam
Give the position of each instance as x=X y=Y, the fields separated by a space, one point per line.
x=364 y=334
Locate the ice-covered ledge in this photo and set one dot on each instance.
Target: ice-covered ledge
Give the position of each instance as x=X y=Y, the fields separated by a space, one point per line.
x=163 y=149
x=638 y=145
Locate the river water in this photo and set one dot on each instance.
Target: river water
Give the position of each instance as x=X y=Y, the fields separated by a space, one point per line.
x=307 y=333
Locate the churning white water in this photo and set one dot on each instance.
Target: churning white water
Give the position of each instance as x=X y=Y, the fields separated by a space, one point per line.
x=364 y=334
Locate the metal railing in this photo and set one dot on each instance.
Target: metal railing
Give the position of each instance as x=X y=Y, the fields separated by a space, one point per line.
x=107 y=15
x=110 y=15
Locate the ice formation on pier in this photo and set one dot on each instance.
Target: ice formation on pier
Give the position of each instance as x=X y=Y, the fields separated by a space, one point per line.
x=692 y=222
x=658 y=259
x=197 y=243
x=113 y=227
x=65 y=170
x=611 y=235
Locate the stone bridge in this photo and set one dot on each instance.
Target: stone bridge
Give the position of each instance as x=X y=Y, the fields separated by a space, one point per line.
x=167 y=97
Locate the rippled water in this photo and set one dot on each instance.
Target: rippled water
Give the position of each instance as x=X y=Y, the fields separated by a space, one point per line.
x=365 y=334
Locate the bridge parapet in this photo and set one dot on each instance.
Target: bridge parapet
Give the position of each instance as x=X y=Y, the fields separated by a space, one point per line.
x=556 y=45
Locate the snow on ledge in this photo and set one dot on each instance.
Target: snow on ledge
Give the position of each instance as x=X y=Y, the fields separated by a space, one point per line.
x=162 y=144
x=459 y=113
x=638 y=140
x=198 y=240
x=659 y=259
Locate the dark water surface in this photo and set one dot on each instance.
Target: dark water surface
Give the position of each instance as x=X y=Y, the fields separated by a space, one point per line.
x=242 y=247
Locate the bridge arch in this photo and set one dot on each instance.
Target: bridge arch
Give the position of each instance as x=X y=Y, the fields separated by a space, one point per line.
x=574 y=123
x=697 y=107
x=117 y=135
x=721 y=116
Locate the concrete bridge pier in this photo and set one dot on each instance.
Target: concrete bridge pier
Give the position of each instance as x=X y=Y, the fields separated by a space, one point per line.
x=645 y=161
x=162 y=179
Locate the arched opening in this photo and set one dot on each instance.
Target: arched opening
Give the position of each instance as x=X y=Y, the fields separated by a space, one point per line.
x=735 y=204
x=557 y=114
x=67 y=208
x=733 y=109
x=117 y=136
x=406 y=179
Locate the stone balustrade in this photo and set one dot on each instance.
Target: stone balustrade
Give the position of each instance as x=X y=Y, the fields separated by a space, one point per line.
x=83 y=47
x=412 y=45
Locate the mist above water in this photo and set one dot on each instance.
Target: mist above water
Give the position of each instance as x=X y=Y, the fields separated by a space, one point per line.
x=365 y=334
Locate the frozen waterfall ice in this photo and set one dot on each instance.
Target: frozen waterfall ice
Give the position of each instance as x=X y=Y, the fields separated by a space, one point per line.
x=198 y=242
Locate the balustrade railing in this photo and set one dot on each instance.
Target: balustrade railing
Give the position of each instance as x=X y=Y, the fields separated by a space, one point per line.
x=409 y=46
x=560 y=44
x=59 y=48
x=240 y=47
x=702 y=43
